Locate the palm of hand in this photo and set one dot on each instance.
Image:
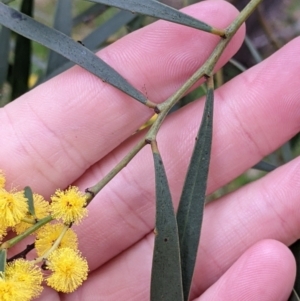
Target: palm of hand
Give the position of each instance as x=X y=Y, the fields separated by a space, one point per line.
x=88 y=125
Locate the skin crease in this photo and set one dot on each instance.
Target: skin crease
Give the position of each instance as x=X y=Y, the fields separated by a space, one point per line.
x=74 y=129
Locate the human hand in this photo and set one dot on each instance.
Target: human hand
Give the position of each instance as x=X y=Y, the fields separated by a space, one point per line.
x=74 y=129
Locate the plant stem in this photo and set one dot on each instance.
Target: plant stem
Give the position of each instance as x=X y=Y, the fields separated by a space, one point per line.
x=22 y=254
x=162 y=109
x=254 y=52
x=54 y=246
x=205 y=70
x=92 y=191
x=150 y=104
x=154 y=147
x=237 y=65
x=28 y=220
x=9 y=243
x=242 y=17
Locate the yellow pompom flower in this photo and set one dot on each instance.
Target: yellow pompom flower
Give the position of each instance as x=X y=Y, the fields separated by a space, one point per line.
x=48 y=235
x=3 y=230
x=2 y=179
x=13 y=207
x=69 y=270
x=10 y=291
x=41 y=208
x=22 y=281
x=68 y=205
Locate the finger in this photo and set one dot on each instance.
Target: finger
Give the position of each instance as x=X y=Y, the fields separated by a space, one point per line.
x=48 y=294
x=126 y=205
x=58 y=130
x=264 y=272
x=267 y=208
x=126 y=277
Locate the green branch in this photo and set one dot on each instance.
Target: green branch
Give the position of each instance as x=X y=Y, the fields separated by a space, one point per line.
x=11 y=242
x=206 y=70
x=92 y=191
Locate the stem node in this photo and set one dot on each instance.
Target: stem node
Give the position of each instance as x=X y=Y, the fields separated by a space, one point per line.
x=87 y=190
x=157 y=110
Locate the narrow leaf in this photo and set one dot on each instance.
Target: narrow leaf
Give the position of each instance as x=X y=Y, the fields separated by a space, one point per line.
x=166 y=282
x=63 y=23
x=29 y=196
x=287 y=153
x=4 y=52
x=64 y=45
x=159 y=10
x=2 y=260
x=252 y=48
x=22 y=62
x=89 y=14
x=264 y=166
x=191 y=206
x=96 y=38
x=103 y=32
x=137 y=23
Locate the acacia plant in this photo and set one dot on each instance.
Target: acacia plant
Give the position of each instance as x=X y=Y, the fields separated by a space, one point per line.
x=57 y=260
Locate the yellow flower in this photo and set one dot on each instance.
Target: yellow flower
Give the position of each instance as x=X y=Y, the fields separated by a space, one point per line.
x=69 y=270
x=42 y=209
x=48 y=235
x=10 y=291
x=2 y=179
x=13 y=207
x=3 y=231
x=69 y=205
x=22 y=281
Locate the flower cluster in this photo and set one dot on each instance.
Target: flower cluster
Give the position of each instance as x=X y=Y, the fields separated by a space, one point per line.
x=21 y=281
x=59 y=263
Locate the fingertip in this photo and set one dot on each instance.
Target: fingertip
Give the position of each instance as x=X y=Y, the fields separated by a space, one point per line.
x=266 y=271
x=276 y=257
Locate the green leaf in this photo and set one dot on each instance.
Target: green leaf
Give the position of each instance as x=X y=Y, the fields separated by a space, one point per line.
x=97 y=37
x=157 y=10
x=264 y=166
x=64 y=45
x=103 y=32
x=166 y=282
x=286 y=151
x=191 y=206
x=22 y=62
x=63 y=23
x=136 y=23
x=2 y=260
x=29 y=196
x=89 y=14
